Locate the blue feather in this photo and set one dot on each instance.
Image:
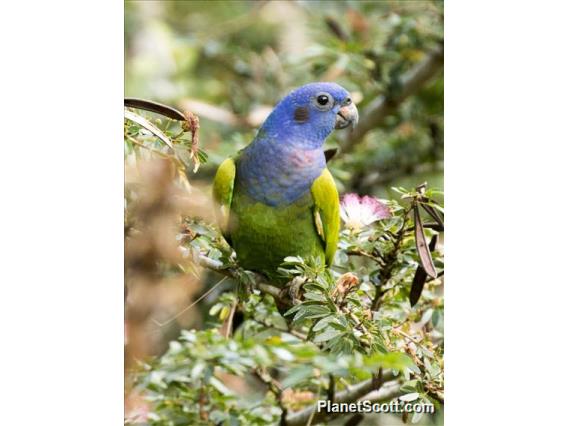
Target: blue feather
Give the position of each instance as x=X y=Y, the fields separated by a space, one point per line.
x=282 y=162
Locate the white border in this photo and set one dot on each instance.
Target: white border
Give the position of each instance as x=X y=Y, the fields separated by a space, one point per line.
x=61 y=172
x=505 y=136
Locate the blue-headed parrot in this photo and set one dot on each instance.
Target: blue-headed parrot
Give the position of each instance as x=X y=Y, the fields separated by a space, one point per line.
x=276 y=196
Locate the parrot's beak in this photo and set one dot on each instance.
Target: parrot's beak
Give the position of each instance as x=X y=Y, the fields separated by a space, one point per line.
x=347 y=116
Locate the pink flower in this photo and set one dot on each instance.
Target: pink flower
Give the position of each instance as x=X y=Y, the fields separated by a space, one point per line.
x=358 y=212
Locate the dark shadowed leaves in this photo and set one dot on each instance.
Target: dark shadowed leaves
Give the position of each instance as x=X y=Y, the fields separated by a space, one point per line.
x=420 y=276
x=158 y=108
x=421 y=246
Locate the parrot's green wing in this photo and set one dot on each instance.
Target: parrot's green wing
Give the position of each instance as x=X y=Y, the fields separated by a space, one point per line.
x=223 y=186
x=326 y=212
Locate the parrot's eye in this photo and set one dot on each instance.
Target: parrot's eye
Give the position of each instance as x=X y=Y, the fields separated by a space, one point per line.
x=324 y=101
x=347 y=101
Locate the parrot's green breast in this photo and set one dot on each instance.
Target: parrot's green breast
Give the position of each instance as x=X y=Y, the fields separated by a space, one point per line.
x=263 y=235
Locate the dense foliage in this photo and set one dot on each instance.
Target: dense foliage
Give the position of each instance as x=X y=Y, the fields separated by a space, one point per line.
x=211 y=343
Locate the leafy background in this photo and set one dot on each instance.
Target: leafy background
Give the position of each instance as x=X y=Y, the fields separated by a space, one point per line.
x=229 y=63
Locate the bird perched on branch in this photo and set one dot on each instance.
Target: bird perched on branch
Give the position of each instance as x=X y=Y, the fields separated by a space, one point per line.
x=277 y=198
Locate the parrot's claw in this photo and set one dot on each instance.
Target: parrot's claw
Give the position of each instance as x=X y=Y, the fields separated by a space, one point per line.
x=292 y=289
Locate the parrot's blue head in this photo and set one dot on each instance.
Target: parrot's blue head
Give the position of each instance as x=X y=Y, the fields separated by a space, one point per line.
x=286 y=156
x=310 y=113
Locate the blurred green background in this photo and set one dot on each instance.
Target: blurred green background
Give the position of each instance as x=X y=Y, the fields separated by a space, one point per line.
x=231 y=61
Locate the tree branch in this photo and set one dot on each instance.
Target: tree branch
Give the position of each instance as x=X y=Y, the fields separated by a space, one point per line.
x=388 y=392
x=382 y=106
x=392 y=389
x=260 y=282
x=282 y=330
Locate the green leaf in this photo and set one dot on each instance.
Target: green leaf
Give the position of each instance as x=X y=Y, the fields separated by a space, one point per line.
x=328 y=334
x=410 y=386
x=314 y=286
x=416 y=417
x=321 y=324
x=293 y=260
x=315 y=296
x=409 y=396
x=216 y=383
x=148 y=126
x=338 y=326
x=317 y=311
x=283 y=354
x=293 y=309
x=298 y=375
x=393 y=360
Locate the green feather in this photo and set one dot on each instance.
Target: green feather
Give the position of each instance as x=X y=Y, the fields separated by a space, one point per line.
x=263 y=236
x=326 y=200
x=223 y=186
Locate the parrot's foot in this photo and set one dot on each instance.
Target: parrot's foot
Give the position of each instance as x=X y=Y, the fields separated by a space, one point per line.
x=292 y=289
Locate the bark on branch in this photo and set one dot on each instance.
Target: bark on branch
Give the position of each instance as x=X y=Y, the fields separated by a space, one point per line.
x=379 y=108
x=389 y=390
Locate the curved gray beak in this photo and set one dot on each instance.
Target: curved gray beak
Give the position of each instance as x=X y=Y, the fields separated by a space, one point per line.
x=347 y=116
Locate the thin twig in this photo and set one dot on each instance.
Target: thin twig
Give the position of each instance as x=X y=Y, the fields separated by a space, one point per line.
x=149 y=148
x=227 y=326
x=269 y=381
x=363 y=253
x=312 y=415
x=331 y=388
x=155 y=151
x=203 y=296
x=282 y=330
x=407 y=336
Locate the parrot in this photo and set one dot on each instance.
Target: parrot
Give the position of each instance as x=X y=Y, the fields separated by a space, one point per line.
x=276 y=197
